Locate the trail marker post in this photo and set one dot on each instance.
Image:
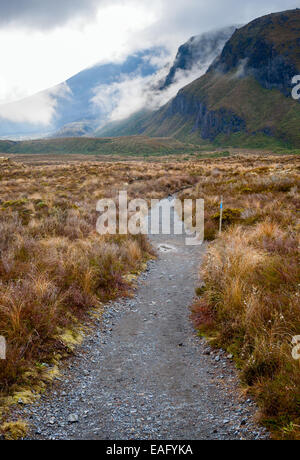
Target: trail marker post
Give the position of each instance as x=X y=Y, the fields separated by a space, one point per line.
x=221 y=215
x=2 y=347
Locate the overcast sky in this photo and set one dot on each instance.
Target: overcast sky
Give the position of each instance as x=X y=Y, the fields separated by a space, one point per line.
x=43 y=42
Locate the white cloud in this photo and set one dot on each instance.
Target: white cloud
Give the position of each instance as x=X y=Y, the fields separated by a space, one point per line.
x=134 y=93
x=38 y=109
x=123 y=98
x=240 y=72
x=34 y=60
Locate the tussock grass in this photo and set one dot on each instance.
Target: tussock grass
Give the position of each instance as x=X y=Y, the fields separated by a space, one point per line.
x=54 y=267
x=14 y=431
x=250 y=305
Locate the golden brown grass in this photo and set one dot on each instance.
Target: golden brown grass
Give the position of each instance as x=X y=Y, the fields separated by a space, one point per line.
x=250 y=305
x=13 y=431
x=54 y=266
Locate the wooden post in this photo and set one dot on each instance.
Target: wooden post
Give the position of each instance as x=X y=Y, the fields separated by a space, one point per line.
x=221 y=215
x=2 y=347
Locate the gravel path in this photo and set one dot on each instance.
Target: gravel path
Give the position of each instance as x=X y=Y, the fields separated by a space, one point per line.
x=143 y=373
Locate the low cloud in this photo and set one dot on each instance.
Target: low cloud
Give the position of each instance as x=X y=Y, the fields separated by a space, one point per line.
x=51 y=40
x=124 y=98
x=134 y=93
x=241 y=70
x=39 y=109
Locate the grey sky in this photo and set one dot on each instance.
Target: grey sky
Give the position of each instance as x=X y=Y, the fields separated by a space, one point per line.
x=44 y=13
x=174 y=14
x=183 y=18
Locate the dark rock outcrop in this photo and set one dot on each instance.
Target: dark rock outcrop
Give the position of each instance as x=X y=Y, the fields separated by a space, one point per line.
x=266 y=49
x=210 y=123
x=247 y=89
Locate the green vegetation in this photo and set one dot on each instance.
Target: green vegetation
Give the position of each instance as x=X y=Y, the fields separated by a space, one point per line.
x=262 y=111
x=272 y=120
x=125 y=146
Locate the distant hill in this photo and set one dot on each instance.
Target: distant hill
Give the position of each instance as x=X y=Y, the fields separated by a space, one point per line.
x=244 y=99
x=130 y=145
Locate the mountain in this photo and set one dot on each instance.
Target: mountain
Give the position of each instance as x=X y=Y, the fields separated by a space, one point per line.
x=84 y=103
x=192 y=60
x=199 y=52
x=244 y=99
x=76 y=106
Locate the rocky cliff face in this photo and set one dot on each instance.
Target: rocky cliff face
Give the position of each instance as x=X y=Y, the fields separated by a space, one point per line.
x=267 y=49
x=209 y=123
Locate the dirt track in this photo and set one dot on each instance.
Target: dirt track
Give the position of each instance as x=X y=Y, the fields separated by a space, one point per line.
x=144 y=373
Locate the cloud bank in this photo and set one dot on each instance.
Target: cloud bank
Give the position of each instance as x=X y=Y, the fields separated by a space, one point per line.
x=39 y=109
x=134 y=93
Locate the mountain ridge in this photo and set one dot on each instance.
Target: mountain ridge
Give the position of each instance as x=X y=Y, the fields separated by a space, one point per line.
x=192 y=59
x=199 y=48
x=234 y=102
x=85 y=101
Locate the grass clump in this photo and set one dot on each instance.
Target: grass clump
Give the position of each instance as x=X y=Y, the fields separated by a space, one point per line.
x=229 y=215
x=54 y=266
x=251 y=303
x=13 y=431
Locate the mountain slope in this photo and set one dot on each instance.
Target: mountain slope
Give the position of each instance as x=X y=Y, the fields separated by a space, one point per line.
x=268 y=49
x=198 y=51
x=192 y=60
x=86 y=101
x=73 y=108
x=245 y=96
x=84 y=87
